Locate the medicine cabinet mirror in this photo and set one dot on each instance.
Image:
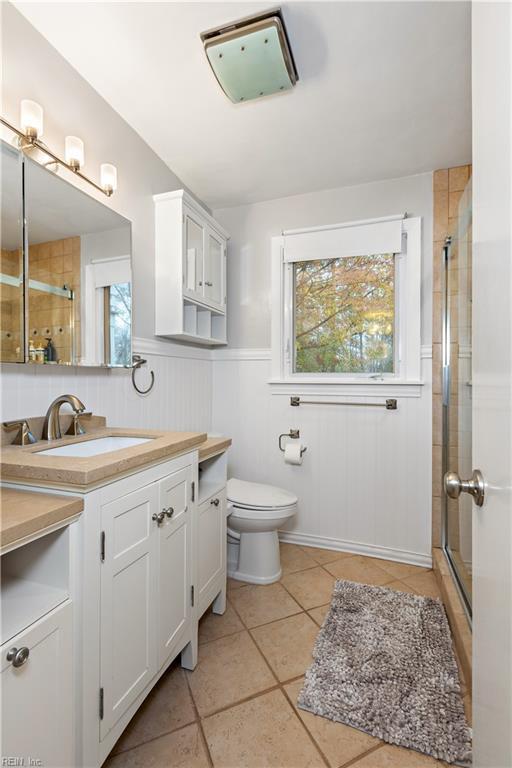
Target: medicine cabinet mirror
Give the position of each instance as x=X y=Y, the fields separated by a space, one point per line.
x=65 y=272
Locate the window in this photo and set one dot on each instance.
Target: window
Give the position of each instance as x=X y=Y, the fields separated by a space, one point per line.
x=344 y=315
x=346 y=303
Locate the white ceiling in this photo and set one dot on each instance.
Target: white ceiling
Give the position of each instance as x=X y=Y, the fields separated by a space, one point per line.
x=384 y=91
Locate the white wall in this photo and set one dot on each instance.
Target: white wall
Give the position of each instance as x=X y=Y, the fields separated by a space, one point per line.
x=181 y=398
x=365 y=483
x=252 y=226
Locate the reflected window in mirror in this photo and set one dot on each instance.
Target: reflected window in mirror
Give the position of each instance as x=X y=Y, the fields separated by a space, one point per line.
x=118 y=319
x=108 y=305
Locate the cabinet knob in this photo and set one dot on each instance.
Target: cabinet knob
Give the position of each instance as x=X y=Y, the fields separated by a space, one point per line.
x=210 y=285
x=18 y=656
x=158 y=517
x=215 y=502
x=169 y=511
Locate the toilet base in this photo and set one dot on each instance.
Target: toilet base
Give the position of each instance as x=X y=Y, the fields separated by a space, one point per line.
x=258 y=558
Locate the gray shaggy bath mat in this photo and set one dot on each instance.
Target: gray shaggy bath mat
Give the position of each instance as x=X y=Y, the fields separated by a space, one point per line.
x=383 y=663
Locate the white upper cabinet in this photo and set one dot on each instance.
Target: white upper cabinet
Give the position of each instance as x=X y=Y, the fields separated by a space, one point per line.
x=190 y=271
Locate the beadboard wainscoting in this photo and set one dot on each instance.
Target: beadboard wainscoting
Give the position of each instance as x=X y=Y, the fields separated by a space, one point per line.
x=181 y=398
x=365 y=484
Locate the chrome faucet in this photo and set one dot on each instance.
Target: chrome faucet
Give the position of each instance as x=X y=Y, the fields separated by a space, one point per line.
x=51 y=428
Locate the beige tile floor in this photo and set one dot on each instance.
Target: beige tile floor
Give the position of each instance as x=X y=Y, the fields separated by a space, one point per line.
x=237 y=709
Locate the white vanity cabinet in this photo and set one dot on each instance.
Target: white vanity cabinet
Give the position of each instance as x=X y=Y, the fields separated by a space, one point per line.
x=175 y=583
x=190 y=271
x=212 y=535
x=127 y=584
x=146 y=588
x=211 y=549
x=37 y=696
x=38 y=652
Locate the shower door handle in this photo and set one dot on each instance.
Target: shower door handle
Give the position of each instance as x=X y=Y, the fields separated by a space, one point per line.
x=454 y=486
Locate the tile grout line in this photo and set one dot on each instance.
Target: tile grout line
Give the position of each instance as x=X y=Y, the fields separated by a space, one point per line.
x=355 y=760
x=199 y=723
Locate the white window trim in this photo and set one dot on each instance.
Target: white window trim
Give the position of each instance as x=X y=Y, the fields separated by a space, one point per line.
x=408 y=315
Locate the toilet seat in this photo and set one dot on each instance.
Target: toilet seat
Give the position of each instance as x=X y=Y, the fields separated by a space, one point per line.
x=258 y=497
x=262 y=513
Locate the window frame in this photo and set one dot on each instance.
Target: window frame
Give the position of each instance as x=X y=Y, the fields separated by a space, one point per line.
x=407 y=341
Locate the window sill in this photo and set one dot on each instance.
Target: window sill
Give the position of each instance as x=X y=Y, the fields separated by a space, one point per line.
x=360 y=387
x=351 y=382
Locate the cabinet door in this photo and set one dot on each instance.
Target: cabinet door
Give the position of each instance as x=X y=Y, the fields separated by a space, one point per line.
x=212 y=547
x=194 y=255
x=37 y=697
x=214 y=269
x=174 y=601
x=128 y=600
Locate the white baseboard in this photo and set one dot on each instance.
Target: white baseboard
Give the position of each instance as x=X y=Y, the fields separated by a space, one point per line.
x=386 y=553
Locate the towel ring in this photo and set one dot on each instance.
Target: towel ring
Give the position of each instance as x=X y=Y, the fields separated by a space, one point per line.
x=137 y=361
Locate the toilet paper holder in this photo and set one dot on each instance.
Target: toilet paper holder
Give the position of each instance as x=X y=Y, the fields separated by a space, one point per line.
x=294 y=434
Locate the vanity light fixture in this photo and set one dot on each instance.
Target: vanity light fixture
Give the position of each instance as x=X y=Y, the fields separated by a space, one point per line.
x=29 y=138
x=251 y=57
x=108 y=176
x=31 y=119
x=74 y=152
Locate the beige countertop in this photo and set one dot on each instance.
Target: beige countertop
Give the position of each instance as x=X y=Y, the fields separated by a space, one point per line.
x=26 y=515
x=22 y=464
x=212 y=446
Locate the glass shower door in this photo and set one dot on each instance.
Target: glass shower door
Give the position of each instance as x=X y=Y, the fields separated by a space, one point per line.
x=457 y=420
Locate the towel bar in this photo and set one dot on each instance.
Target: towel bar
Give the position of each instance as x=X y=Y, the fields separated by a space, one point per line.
x=389 y=405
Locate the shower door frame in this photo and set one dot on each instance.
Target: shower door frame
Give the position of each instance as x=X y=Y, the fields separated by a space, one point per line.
x=446 y=390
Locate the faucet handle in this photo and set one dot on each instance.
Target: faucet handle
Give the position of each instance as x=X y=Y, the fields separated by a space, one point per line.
x=75 y=428
x=24 y=436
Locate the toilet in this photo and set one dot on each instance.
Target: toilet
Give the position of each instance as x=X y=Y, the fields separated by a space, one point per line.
x=257 y=513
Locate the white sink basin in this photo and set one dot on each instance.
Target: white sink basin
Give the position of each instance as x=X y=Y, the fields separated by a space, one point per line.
x=95 y=447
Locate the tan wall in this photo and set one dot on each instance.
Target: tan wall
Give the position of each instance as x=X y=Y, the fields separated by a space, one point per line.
x=449 y=185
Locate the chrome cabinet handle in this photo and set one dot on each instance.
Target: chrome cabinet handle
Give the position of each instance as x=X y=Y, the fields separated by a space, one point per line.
x=475 y=486
x=169 y=511
x=215 y=502
x=18 y=656
x=158 y=517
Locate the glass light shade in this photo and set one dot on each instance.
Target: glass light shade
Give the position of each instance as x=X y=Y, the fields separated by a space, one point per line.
x=31 y=118
x=108 y=176
x=74 y=152
x=251 y=65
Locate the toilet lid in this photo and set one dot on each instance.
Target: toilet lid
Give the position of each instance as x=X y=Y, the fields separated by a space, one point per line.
x=258 y=495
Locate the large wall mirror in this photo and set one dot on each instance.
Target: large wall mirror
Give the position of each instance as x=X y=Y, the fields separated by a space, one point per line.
x=67 y=294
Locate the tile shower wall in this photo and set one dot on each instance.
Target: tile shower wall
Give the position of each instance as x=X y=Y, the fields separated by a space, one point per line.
x=448 y=188
x=55 y=263
x=10 y=306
